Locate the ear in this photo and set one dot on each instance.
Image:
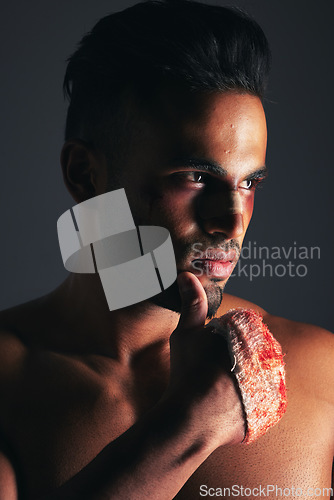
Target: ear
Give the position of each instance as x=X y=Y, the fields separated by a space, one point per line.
x=82 y=167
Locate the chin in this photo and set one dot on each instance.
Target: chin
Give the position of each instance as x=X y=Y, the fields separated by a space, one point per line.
x=171 y=299
x=214 y=291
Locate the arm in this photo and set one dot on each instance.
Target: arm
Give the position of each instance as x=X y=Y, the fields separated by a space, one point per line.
x=8 y=486
x=153 y=459
x=200 y=411
x=156 y=456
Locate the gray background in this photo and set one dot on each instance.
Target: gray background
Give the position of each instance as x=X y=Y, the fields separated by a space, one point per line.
x=294 y=206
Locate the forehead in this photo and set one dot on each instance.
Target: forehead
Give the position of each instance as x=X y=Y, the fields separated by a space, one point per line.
x=219 y=126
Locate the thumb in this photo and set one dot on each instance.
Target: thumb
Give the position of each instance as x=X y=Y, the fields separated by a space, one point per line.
x=194 y=301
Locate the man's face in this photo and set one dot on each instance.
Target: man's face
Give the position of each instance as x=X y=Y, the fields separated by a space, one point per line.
x=192 y=167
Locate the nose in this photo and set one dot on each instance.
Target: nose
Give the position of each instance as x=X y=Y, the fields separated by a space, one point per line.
x=222 y=213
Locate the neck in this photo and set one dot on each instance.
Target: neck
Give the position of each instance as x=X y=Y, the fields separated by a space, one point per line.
x=90 y=327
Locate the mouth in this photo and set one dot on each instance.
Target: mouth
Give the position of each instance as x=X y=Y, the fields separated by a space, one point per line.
x=215 y=264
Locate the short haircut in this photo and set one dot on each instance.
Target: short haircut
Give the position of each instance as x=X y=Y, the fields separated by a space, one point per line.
x=200 y=47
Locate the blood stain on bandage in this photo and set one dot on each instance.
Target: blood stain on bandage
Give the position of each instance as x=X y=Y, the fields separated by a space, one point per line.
x=259 y=369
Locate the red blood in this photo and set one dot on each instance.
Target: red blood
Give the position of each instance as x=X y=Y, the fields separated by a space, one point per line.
x=259 y=370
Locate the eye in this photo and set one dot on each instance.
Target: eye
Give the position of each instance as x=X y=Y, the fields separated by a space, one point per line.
x=194 y=176
x=191 y=176
x=247 y=184
x=251 y=183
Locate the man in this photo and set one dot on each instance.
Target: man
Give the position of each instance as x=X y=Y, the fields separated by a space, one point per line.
x=166 y=102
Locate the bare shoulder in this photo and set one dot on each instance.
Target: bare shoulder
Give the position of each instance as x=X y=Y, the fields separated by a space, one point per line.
x=15 y=325
x=23 y=318
x=233 y=302
x=26 y=325
x=12 y=353
x=289 y=333
x=13 y=356
x=18 y=328
x=308 y=350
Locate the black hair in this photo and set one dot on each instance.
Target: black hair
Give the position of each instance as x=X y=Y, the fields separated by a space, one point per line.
x=203 y=48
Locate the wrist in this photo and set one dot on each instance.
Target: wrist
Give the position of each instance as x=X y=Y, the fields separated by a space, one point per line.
x=178 y=417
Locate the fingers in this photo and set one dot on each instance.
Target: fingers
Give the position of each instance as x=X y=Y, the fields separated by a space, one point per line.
x=194 y=301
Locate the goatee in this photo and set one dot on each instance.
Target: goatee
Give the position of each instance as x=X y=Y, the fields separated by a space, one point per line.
x=171 y=299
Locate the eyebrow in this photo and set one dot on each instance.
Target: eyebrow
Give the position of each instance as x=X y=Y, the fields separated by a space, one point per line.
x=260 y=173
x=215 y=168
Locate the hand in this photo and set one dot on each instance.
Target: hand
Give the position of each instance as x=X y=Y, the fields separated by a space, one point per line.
x=200 y=375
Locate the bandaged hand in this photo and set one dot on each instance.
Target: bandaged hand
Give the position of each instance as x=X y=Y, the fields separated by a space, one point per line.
x=258 y=367
x=227 y=376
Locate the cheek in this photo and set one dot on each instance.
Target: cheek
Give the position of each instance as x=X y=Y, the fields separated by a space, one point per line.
x=174 y=206
x=248 y=205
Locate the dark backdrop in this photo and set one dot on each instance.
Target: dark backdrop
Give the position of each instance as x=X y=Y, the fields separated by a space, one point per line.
x=293 y=210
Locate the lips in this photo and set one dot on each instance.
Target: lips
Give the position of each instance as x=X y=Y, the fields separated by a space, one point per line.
x=215 y=263
x=220 y=255
x=212 y=268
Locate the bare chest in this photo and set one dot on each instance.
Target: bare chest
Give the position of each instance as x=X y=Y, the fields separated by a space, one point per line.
x=61 y=416
x=294 y=459
x=60 y=421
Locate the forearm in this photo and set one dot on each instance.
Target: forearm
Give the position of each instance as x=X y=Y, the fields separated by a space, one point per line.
x=153 y=459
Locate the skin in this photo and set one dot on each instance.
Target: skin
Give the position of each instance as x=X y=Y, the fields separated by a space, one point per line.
x=75 y=376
